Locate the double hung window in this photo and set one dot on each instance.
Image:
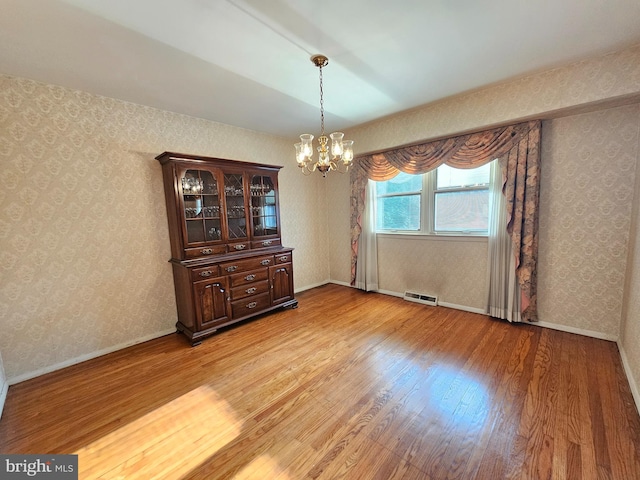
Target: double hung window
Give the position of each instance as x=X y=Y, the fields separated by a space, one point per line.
x=443 y=201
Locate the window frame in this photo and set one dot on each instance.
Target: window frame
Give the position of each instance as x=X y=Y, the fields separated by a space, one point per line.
x=427 y=207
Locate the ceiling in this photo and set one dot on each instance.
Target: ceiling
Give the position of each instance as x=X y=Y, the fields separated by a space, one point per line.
x=246 y=62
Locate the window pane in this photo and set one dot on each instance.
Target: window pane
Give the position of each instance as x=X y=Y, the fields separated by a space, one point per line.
x=457 y=177
x=458 y=211
x=401 y=183
x=398 y=213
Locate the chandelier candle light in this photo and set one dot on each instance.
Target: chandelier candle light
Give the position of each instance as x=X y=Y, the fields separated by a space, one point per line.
x=341 y=155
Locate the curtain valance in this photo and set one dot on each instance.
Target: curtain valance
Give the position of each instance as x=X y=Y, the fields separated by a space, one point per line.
x=464 y=151
x=518 y=149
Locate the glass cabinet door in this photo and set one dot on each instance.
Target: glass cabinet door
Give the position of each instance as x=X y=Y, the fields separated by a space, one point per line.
x=201 y=201
x=234 y=199
x=264 y=218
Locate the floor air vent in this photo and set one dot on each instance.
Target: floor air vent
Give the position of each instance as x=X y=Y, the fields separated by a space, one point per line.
x=421 y=298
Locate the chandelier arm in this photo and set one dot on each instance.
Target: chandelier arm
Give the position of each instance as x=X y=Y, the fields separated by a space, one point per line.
x=342 y=167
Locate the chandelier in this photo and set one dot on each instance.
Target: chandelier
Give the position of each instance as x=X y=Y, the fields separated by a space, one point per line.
x=341 y=156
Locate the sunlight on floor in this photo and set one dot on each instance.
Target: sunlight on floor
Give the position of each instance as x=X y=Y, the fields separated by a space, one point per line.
x=262 y=468
x=166 y=443
x=459 y=397
x=454 y=392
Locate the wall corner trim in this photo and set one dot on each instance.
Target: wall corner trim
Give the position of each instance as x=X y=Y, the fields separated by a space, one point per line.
x=4 y=389
x=635 y=390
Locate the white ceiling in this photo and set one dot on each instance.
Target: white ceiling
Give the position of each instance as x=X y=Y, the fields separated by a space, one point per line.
x=246 y=62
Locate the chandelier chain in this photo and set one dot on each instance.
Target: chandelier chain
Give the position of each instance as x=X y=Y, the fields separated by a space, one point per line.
x=321 y=104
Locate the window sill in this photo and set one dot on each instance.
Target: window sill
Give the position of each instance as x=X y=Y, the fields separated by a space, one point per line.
x=447 y=237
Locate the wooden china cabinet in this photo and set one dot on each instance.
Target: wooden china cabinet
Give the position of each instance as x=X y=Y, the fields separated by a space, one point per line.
x=224 y=225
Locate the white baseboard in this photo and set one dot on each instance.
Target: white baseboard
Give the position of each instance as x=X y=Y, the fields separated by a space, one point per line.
x=579 y=331
x=635 y=391
x=4 y=388
x=440 y=304
x=393 y=294
x=462 y=307
x=309 y=287
x=88 y=356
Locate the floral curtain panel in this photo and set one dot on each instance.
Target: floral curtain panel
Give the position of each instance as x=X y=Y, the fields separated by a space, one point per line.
x=518 y=149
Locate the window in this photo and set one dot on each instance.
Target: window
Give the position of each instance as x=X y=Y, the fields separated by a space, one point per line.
x=398 y=203
x=444 y=201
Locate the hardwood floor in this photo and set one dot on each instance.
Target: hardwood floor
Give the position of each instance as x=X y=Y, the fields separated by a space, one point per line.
x=349 y=385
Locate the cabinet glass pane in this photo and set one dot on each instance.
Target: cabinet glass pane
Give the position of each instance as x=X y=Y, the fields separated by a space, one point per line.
x=234 y=197
x=201 y=206
x=263 y=206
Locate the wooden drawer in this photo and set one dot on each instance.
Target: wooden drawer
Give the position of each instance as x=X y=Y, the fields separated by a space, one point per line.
x=245 y=278
x=268 y=242
x=283 y=258
x=250 y=305
x=203 y=273
x=239 y=247
x=248 y=290
x=246 y=264
x=204 y=251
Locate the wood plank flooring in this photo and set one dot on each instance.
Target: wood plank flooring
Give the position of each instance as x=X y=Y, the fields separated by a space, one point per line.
x=350 y=385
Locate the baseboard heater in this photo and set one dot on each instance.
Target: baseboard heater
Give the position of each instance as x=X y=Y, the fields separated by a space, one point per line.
x=421 y=298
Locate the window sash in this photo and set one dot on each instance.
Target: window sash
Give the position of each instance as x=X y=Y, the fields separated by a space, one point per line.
x=428 y=207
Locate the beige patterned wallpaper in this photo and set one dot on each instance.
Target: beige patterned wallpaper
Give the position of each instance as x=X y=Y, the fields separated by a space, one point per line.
x=339 y=205
x=83 y=229
x=3 y=380
x=631 y=311
x=589 y=165
x=454 y=269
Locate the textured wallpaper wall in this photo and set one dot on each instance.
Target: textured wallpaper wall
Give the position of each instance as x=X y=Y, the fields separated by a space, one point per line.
x=631 y=322
x=454 y=269
x=589 y=165
x=83 y=230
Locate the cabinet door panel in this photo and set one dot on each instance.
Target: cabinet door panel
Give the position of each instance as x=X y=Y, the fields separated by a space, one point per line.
x=200 y=205
x=236 y=207
x=281 y=283
x=265 y=219
x=212 y=303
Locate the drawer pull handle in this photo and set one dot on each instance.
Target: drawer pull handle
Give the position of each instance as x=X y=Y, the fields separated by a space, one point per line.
x=206 y=251
x=206 y=273
x=242 y=246
x=265 y=262
x=232 y=268
x=284 y=259
x=266 y=243
x=252 y=305
x=248 y=278
x=251 y=290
